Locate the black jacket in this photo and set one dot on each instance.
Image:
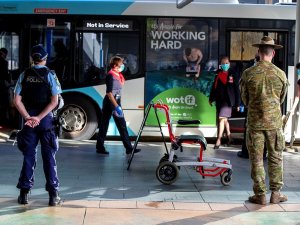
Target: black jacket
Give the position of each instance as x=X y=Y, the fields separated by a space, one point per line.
x=228 y=92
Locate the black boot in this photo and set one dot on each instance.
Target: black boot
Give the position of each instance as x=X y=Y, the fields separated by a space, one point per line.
x=54 y=198
x=23 y=197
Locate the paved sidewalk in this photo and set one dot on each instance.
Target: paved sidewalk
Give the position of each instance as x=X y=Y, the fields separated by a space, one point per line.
x=99 y=189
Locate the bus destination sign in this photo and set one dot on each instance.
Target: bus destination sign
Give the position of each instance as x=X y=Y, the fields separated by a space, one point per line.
x=107 y=25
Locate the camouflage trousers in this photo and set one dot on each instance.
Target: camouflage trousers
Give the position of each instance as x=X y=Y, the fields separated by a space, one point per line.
x=275 y=143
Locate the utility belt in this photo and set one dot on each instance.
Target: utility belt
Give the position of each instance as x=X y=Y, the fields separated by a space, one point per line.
x=35 y=108
x=35 y=111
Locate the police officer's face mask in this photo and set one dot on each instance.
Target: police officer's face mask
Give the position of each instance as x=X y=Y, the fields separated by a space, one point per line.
x=298 y=72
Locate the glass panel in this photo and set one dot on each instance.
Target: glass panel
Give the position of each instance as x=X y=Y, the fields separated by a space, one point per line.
x=241 y=45
x=10 y=41
x=235 y=45
x=249 y=38
x=56 y=40
x=95 y=50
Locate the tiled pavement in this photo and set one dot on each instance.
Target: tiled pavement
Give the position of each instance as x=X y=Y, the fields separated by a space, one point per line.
x=100 y=190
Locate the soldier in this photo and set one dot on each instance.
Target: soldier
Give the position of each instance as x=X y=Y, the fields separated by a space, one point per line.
x=263 y=89
x=35 y=102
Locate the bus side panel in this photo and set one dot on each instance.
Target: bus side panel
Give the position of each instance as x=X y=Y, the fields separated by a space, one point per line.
x=181 y=63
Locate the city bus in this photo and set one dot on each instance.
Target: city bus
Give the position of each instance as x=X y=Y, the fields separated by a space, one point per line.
x=151 y=36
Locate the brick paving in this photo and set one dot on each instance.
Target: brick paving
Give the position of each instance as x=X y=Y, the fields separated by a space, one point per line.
x=99 y=189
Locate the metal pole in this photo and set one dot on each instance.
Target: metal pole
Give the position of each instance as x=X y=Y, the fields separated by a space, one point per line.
x=297 y=45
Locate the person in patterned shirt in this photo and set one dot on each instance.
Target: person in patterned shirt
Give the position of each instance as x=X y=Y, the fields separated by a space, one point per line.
x=263 y=89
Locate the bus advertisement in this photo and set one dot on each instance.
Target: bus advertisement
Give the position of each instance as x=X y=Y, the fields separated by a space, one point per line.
x=186 y=92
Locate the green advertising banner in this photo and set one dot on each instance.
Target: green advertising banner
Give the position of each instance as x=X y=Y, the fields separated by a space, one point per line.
x=181 y=61
x=184 y=104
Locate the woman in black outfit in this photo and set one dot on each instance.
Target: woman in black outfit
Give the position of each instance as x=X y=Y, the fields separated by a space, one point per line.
x=112 y=107
x=225 y=94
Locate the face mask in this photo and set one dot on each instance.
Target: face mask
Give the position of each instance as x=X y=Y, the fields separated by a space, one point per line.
x=225 y=67
x=298 y=72
x=122 y=67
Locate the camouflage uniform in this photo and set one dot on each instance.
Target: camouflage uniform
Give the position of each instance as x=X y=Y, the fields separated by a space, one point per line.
x=263 y=89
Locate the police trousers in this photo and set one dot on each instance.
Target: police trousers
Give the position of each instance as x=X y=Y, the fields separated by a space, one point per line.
x=28 y=139
x=120 y=123
x=275 y=144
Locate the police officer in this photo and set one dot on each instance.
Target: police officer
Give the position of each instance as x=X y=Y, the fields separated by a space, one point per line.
x=35 y=100
x=263 y=89
x=112 y=107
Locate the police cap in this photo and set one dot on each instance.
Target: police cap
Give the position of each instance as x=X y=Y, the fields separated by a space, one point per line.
x=38 y=53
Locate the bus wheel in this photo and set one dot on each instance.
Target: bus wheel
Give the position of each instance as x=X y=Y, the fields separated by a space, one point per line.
x=79 y=118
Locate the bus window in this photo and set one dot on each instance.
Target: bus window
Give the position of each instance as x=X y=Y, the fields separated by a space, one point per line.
x=57 y=42
x=95 y=50
x=10 y=41
x=242 y=51
x=241 y=44
x=242 y=55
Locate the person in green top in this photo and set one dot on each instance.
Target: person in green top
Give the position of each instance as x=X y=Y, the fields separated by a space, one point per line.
x=263 y=89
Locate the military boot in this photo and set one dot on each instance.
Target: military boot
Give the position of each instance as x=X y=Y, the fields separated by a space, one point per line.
x=258 y=199
x=54 y=198
x=277 y=197
x=23 y=197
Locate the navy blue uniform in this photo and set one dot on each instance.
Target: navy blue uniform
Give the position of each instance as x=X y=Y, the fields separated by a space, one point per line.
x=36 y=96
x=114 y=86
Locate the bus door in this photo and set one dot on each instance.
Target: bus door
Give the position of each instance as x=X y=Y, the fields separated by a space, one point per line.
x=242 y=55
x=54 y=35
x=97 y=41
x=9 y=70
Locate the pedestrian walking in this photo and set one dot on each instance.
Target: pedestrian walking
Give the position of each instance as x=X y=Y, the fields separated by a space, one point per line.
x=36 y=95
x=112 y=107
x=263 y=89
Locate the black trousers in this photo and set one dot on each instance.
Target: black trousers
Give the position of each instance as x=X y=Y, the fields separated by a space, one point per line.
x=107 y=110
